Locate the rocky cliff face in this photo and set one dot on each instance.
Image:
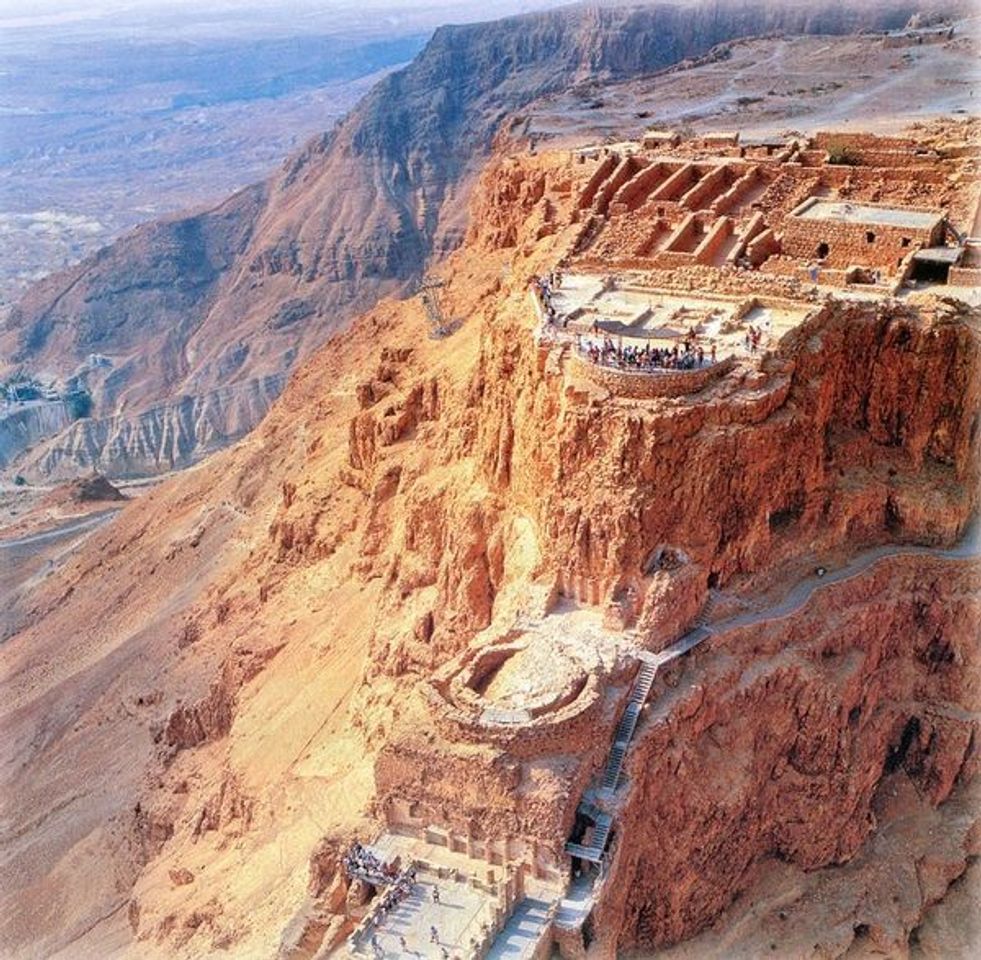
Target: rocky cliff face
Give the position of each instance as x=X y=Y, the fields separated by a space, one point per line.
x=24 y=427
x=162 y=438
x=200 y=695
x=793 y=733
x=236 y=295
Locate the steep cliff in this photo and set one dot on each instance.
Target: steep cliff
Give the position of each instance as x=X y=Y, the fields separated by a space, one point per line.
x=204 y=695
x=238 y=294
x=23 y=427
x=782 y=745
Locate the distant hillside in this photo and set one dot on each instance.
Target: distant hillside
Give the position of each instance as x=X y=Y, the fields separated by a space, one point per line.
x=202 y=316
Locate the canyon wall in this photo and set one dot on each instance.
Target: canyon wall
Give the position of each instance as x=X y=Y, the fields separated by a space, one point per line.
x=167 y=437
x=23 y=427
x=775 y=742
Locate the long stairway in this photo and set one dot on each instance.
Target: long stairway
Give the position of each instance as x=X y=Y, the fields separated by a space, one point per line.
x=594 y=849
x=625 y=728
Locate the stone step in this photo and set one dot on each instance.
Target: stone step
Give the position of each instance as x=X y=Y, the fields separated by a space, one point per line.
x=575 y=906
x=523 y=933
x=617 y=752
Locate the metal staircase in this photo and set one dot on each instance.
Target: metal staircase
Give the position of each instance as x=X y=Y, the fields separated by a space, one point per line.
x=708 y=608
x=625 y=728
x=603 y=822
x=593 y=851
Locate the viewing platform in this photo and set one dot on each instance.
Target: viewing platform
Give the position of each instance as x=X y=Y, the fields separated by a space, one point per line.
x=643 y=343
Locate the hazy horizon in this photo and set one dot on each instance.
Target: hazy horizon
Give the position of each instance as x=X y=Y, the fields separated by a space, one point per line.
x=295 y=13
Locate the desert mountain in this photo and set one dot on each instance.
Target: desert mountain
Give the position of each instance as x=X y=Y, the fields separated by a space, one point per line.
x=184 y=331
x=278 y=652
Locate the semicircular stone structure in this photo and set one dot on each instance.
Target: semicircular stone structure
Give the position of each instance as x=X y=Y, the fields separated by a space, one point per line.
x=527 y=693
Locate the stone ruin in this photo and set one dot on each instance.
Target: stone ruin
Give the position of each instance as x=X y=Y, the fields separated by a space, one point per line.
x=701 y=237
x=845 y=203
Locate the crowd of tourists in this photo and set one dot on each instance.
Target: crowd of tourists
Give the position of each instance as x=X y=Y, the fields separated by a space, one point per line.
x=364 y=864
x=600 y=348
x=399 y=888
x=687 y=356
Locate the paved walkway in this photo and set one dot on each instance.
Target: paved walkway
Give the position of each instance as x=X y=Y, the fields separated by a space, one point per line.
x=520 y=936
x=70 y=528
x=457 y=919
x=800 y=593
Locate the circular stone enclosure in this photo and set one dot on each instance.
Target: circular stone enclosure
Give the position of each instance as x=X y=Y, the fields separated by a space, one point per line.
x=531 y=675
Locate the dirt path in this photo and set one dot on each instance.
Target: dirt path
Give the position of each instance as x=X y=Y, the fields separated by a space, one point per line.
x=67 y=530
x=26 y=560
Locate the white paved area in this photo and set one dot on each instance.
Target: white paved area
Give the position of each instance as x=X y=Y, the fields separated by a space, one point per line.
x=641 y=316
x=869 y=213
x=457 y=918
x=795 y=598
x=520 y=936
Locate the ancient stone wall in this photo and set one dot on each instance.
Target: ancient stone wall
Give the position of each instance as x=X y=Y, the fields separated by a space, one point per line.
x=478 y=791
x=729 y=281
x=623 y=172
x=677 y=184
x=714 y=183
x=862 y=141
x=606 y=166
x=732 y=197
x=786 y=266
x=849 y=243
x=965 y=276
x=564 y=731
x=649 y=386
x=763 y=246
x=716 y=238
x=635 y=191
